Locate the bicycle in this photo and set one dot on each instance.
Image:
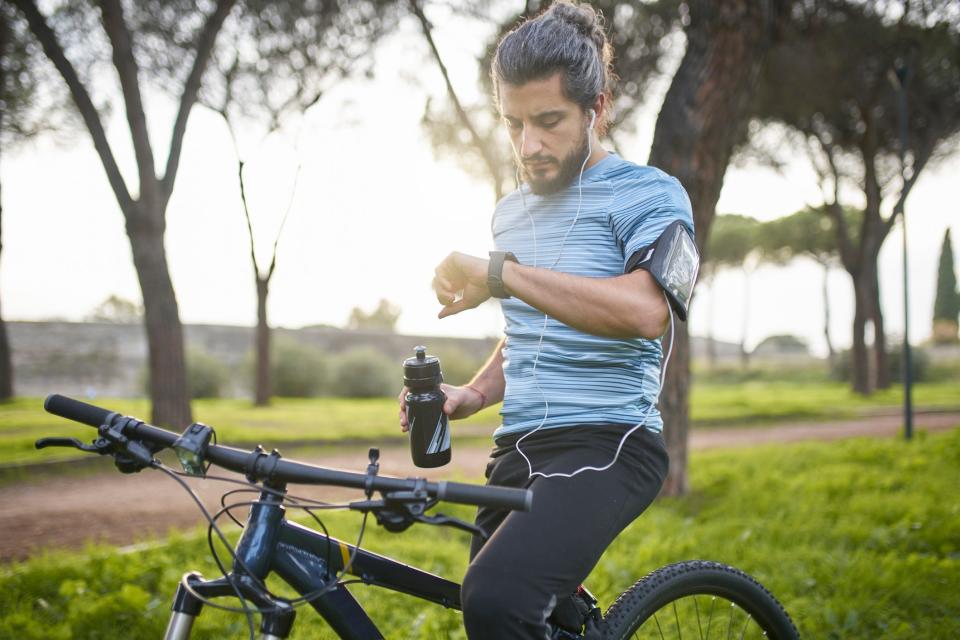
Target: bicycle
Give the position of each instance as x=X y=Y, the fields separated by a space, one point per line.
x=676 y=601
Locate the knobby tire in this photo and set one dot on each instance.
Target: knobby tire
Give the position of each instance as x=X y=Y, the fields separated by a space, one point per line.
x=698 y=600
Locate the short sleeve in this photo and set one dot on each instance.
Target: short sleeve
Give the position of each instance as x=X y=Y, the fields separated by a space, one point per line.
x=643 y=207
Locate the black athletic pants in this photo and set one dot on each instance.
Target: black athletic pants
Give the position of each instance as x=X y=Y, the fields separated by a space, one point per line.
x=531 y=559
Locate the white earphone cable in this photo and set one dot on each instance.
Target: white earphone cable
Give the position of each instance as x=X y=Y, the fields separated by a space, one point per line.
x=536 y=359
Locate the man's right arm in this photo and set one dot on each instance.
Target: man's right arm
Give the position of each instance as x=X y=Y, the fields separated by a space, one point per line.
x=484 y=389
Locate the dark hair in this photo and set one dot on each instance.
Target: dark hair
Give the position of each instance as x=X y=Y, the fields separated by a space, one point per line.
x=568 y=38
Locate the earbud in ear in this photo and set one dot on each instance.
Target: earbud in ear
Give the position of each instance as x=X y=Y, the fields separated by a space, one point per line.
x=593 y=118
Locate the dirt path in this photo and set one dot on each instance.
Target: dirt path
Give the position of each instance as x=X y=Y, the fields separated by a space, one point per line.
x=68 y=511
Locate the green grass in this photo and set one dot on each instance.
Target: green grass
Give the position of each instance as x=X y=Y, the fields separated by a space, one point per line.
x=319 y=420
x=858 y=539
x=286 y=420
x=763 y=402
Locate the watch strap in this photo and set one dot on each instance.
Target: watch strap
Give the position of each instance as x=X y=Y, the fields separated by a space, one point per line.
x=495 y=273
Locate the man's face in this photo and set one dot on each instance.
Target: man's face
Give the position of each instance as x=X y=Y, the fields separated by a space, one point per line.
x=548 y=132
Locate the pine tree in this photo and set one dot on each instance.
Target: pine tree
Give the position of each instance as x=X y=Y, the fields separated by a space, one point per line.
x=946 y=307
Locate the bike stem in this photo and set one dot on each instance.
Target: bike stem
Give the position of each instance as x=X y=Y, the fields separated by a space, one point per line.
x=250 y=568
x=260 y=534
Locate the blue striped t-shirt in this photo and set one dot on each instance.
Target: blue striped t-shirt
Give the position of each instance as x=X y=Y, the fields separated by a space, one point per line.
x=585 y=379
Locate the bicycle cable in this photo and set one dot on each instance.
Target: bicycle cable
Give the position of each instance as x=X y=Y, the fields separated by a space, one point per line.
x=295 y=502
x=213 y=527
x=227 y=510
x=243 y=602
x=308 y=597
x=257 y=487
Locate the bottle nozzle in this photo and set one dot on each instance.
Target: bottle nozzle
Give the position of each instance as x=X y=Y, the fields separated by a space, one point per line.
x=421 y=352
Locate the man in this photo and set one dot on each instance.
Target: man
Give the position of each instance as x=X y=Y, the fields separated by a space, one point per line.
x=579 y=368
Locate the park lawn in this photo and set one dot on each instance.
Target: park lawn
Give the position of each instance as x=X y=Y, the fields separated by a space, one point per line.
x=764 y=402
x=285 y=421
x=858 y=539
x=289 y=421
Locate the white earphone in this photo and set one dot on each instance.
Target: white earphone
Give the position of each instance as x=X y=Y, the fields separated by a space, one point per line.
x=536 y=359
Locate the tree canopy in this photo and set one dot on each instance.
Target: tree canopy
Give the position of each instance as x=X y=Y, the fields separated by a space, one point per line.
x=843 y=80
x=383 y=318
x=732 y=239
x=274 y=52
x=946 y=306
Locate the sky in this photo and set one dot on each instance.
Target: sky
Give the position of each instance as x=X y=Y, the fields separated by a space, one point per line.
x=375 y=210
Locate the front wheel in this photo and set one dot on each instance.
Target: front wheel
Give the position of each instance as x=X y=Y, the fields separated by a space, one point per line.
x=697 y=599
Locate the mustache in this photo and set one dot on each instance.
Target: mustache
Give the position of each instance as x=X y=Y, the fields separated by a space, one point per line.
x=537 y=159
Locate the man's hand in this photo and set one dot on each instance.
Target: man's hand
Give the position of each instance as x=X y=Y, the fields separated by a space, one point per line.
x=460 y=283
x=461 y=403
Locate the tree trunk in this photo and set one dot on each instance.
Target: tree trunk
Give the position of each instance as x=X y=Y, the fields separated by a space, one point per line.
x=880 y=356
x=263 y=390
x=145 y=216
x=702 y=118
x=874 y=232
x=860 y=377
x=6 y=358
x=167 y=366
x=831 y=353
x=675 y=399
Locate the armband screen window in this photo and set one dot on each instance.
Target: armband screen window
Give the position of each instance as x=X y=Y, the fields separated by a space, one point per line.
x=673 y=261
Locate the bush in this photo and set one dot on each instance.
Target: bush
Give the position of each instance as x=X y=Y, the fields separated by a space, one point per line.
x=297 y=370
x=782 y=344
x=919 y=361
x=457 y=365
x=365 y=372
x=785 y=371
x=207 y=377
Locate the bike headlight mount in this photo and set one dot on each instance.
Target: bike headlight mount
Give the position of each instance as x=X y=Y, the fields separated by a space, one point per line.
x=191 y=448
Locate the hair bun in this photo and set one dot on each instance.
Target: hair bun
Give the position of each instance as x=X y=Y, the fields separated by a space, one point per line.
x=582 y=16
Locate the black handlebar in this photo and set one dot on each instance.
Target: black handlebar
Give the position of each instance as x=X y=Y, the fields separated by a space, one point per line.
x=75 y=410
x=263 y=466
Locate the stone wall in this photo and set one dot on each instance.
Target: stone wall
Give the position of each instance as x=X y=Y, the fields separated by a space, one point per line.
x=110 y=359
x=107 y=359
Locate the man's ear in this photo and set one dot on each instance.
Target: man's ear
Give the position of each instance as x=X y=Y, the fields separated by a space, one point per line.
x=597 y=108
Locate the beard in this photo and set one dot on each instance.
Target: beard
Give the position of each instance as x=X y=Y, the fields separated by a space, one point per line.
x=568 y=169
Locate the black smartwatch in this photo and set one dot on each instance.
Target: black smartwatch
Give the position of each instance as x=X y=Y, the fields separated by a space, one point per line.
x=495 y=273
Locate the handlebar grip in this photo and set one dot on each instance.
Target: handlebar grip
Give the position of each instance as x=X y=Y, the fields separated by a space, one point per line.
x=486 y=496
x=75 y=410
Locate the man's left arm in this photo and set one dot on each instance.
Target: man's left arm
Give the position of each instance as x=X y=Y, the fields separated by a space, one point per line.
x=627 y=306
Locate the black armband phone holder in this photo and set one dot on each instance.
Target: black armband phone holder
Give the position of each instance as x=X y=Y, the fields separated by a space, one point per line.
x=673 y=261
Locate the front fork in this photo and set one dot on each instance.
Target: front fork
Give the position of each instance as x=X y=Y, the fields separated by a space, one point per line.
x=276 y=624
x=253 y=555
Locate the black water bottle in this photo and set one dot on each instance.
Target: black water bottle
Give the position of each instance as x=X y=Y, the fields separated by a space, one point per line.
x=429 y=430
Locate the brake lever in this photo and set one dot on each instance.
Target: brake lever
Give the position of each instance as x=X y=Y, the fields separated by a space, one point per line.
x=130 y=456
x=449 y=521
x=100 y=445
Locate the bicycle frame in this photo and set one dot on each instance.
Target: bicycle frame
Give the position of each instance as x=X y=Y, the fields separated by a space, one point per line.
x=308 y=561
x=312 y=564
